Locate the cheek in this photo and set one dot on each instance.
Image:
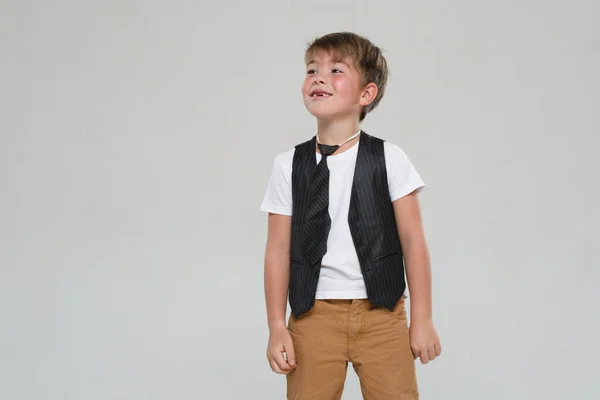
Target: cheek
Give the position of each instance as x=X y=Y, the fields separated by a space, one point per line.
x=306 y=85
x=342 y=85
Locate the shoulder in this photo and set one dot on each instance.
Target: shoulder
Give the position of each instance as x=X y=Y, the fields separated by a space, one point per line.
x=305 y=143
x=396 y=158
x=393 y=150
x=370 y=139
x=284 y=159
x=286 y=154
x=390 y=149
x=305 y=148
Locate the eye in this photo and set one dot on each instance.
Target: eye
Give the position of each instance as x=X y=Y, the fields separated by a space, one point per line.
x=336 y=70
x=310 y=72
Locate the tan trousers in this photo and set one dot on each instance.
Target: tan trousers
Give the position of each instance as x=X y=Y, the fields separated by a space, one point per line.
x=335 y=332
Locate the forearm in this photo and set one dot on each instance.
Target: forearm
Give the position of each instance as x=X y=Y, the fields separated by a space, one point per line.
x=418 y=274
x=277 y=273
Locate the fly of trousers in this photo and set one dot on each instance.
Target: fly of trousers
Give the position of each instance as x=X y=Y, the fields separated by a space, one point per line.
x=335 y=332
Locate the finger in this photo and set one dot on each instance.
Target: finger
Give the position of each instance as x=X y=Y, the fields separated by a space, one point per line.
x=415 y=353
x=288 y=361
x=290 y=354
x=424 y=357
x=431 y=353
x=275 y=368
x=281 y=362
x=438 y=349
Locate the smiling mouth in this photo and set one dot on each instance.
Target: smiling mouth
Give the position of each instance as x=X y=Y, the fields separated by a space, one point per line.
x=320 y=95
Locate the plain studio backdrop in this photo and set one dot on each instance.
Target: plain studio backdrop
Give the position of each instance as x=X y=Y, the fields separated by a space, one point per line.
x=137 y=138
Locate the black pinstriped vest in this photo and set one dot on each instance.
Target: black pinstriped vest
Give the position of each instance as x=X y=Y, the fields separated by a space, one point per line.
x=372 y=227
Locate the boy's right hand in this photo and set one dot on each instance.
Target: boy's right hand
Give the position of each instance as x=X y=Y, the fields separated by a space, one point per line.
x=280 y=342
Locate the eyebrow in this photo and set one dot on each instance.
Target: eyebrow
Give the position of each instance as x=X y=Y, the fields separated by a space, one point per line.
x=334 y=61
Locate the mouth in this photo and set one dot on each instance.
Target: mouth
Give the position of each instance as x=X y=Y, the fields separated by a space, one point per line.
x=317 y=94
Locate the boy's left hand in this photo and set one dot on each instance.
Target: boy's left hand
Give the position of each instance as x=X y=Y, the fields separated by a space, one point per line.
x=424 y=341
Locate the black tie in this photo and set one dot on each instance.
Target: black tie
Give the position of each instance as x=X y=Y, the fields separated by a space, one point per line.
x=318 y=222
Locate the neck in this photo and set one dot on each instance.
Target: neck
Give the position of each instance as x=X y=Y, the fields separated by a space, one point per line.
x=336 y=132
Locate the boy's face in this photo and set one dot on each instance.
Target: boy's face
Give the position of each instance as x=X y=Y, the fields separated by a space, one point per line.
x=333 y=88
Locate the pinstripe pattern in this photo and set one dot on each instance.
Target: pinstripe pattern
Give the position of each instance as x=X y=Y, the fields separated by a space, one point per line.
x=318 y=222
x=303 y=279
x=371 y=221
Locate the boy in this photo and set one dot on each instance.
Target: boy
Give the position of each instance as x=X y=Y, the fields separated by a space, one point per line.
x=343 y=218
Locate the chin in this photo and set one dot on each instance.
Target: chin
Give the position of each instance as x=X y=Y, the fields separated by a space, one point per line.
x=322 y=112
x=325 y=115
x=322 y=115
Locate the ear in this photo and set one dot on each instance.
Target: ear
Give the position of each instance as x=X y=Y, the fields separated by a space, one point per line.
x=368 y=94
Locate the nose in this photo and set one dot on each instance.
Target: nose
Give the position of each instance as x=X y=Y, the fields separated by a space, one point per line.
x=319 y=78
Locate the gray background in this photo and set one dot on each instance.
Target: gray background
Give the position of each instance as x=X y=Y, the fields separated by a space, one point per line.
x=136 y=142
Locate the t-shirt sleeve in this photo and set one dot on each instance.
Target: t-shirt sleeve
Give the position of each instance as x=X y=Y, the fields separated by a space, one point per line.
x=403 y=178
x=278 y=197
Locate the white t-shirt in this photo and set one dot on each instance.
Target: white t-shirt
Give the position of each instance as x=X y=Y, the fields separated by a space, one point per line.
x=340 y=276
